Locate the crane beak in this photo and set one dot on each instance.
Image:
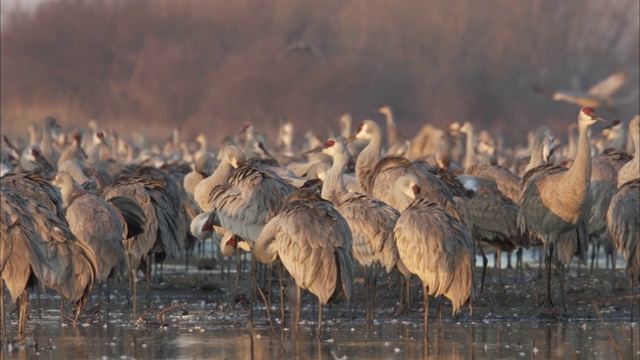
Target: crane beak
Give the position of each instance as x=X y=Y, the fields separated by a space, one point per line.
x=316 y=149
x=244 y=245
x=350 y=138
x=597 y=118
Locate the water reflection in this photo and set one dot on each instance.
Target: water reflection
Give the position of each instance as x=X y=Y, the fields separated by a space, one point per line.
x=193 y=337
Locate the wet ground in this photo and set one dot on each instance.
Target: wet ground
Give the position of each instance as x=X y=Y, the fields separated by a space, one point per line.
x=197 y=315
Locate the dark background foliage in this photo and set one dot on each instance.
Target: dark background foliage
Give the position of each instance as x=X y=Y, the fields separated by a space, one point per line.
x=209 y=66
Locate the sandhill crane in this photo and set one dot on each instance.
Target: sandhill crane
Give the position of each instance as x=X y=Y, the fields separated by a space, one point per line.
x=614 y=136
x=314 y=243
x=37 y=242
x=506 y=182
x=46 y=144
x=598 y=96
x=248 y=200
x=554 y=200
x=161 y=227
x=73 y=151
x=494 y=218
x=631 y=170
x=371 y=221
x=77 y=172
x=378 y=176
x=603 y=186
x=31 y=160
x=395 y=139
x=100 y=223
x=232 y=157
x=436 y=247
x=623 y=221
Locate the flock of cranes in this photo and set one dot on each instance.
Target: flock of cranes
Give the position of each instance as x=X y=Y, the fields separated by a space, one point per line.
x=82 y=208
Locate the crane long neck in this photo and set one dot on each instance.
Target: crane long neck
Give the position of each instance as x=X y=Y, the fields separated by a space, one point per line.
x=202 y=190
x=579 y=175
x=33 y=136
x=46 y=144
x=470 y=157
x=392 y=130
x=334 y=182
x=537 y=158
x=368 y=158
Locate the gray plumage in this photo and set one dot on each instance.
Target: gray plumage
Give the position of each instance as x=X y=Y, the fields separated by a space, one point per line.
x=371 y=221
x=555 y=200
x=631 y=170
x=35 y=241
x=436 y=247
x=506 y=181
x=623 y=221
x=150 y=190
x=248 y=200
x=377 y=177
x=96 y=222
x=313 y=241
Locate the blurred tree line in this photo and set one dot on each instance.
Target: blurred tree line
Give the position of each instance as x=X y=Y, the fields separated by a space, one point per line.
x=206 y=66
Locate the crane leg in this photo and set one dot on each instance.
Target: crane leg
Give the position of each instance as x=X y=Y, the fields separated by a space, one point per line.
x=548 y=256
x=408 y=292
x=499 y=266
x=3 y=328
x=22 y=313
x=485 y=261
x=39 y=290
x=542 y=252
x=560 y=270
x=633 y=284
x=519 y=264
x=296 y=319
x=148 y=277
x=236 y=284
x=253 y=290
x=613 y=269
x=425 y=290
x=403 y=295
x=374 y=287
x=280 y=282
x=368 y=295
x=320 y=306
x=593 y=258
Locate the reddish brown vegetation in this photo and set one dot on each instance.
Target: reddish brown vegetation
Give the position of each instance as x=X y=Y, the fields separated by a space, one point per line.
x=207 y=65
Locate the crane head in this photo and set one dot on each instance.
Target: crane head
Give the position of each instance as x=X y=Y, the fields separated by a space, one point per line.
x=588 y=116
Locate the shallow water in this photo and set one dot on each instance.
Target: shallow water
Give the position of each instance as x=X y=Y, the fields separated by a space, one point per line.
x=205 y=334
x=200 y=326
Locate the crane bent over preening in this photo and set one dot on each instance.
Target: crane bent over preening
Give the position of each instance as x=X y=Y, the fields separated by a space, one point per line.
x=313 y=241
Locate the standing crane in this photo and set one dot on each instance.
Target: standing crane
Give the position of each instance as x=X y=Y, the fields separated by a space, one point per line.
x=151 y=192
x=314 y=243
x=100 y=224
x=377 y=176
x=623 y=221
x=37 y=245
x=437 y=247
x=555 y=200
x=631 y=170
x=371 y=222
